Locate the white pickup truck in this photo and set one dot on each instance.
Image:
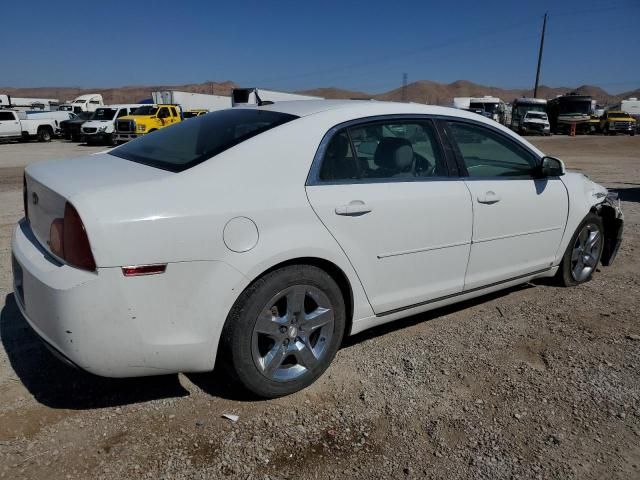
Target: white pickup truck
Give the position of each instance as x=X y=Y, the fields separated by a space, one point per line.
x=15 y=125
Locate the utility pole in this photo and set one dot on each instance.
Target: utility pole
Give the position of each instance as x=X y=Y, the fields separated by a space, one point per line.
x=404 y=87
x=544 y=27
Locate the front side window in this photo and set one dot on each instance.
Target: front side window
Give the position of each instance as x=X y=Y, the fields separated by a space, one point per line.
x=163 y=113
x=186 y=144
x=173 y=112
x=488 y=154
x=399 y=151
x=6 y=116
x=123 y=112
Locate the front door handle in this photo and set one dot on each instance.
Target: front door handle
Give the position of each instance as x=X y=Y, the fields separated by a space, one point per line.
x=490 y=197
x=353 y=209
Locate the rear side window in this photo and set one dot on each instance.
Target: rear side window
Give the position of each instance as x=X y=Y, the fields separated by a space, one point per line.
x=186 y=144
x=394 y=151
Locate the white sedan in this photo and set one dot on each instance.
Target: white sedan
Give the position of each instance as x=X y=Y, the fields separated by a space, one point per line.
x=258 y=237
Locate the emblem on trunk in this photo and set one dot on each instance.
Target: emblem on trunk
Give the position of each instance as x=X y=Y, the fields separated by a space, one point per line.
x=34 y=198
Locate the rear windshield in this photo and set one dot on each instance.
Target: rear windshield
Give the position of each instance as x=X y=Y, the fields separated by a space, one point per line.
x=181 y=146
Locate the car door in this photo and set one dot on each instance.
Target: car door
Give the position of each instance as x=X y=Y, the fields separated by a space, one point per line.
x=9 y=124
x=404 y=224
x=518 y=218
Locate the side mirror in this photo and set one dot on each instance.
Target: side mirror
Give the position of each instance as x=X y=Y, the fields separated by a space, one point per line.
x=551 y=167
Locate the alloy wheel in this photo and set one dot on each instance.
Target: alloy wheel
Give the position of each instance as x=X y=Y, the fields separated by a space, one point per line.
x=292 y=333
x=586 y=252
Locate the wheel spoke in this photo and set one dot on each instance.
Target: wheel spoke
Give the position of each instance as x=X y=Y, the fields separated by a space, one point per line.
x=584 y=234
x=575 y=255
x=593 y=240
x=589 y=261
x=304 y=355
x=295 y=301
x=269 y=325
x=274 y=358
x=316 y=319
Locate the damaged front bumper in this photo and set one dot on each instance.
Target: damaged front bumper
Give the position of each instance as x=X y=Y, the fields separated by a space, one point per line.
x=613 y=223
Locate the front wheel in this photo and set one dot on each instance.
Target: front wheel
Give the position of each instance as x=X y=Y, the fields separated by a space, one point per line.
x=583 y=253
x=283 y=331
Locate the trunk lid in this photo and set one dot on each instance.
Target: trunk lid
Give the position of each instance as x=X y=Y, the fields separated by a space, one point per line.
x=52 y=183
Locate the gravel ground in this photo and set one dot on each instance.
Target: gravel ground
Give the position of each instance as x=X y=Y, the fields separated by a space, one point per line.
x=533 y=382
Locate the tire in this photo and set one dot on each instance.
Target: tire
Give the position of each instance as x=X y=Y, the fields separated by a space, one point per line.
x=566 y=275
x=269 y=346
x=44 y=134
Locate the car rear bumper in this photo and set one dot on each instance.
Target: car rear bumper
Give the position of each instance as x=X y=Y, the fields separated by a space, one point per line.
x=117 y=326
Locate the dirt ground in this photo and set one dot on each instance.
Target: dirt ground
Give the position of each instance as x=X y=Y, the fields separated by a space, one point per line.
x=533 y=382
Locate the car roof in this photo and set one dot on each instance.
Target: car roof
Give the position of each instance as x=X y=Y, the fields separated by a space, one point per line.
x=356 y=109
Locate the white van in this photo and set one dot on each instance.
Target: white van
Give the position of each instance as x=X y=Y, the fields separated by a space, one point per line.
x=101 y=127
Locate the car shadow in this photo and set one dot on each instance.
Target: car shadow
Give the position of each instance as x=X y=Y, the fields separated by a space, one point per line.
x=61 y=386
x=407 y=322
x=56 y=385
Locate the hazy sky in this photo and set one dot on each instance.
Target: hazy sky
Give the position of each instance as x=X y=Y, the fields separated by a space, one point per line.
x=294 y=45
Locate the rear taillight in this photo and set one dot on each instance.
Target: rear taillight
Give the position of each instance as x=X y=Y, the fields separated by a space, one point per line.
x=68 y=240
x=24 y=195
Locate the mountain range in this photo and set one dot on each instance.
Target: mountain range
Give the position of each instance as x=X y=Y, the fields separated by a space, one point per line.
x=422 y=91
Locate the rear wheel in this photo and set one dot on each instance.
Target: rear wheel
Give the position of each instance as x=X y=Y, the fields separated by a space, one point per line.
x=583 y=253
x=283 y=331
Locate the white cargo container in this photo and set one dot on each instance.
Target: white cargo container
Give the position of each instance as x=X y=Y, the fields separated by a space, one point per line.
x=191 y=101
x=257 y=96
x=461 y=102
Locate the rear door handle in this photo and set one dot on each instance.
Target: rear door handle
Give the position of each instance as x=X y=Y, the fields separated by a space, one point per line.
x=353 y=209
x=489 y=197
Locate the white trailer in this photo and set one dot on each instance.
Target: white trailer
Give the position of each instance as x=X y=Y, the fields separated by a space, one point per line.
x=191 y=101
x=258 y=96
x=631 y=106
x=25 y=104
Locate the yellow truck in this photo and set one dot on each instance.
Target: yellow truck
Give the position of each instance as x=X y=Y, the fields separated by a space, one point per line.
x=146 y=119
x=613 y=122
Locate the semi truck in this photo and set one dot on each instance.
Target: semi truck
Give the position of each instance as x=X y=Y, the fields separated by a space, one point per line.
x=568 y=110
x=84 y=103
x=25 y=104
x=520 y=107
x=487 y=106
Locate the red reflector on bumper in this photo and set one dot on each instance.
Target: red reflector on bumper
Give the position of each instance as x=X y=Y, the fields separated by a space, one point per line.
x=138 y=270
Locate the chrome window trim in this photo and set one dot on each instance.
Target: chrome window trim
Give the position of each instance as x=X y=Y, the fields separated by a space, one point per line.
x=313 y=177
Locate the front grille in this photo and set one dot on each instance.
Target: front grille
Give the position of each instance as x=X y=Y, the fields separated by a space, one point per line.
x=534 y=126
x=126 y=126
x=621 y=125
x=89 y=130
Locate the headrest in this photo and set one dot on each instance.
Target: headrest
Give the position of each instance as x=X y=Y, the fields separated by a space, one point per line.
x=394 y=153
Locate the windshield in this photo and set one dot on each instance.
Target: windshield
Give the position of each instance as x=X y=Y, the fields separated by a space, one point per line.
x=542 y=116
x=150 y=110
x=617 y=114
x=575 y=106
x=105 y=114
x=189 y=143
x=65 y=108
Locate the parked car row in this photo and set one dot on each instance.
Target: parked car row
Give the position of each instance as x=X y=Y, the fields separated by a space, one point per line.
x=23 y=126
